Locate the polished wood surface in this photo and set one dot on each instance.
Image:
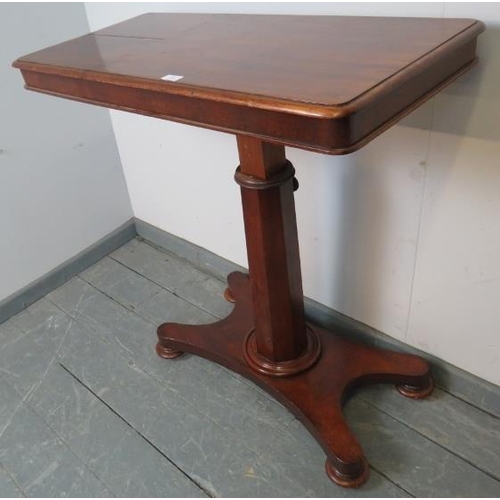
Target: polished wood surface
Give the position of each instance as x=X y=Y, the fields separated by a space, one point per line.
x=324 y=83
x=266 y=337
x=272 y=247
x=316 y=395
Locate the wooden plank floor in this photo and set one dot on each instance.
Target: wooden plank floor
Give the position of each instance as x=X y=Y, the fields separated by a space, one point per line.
x=87 y=408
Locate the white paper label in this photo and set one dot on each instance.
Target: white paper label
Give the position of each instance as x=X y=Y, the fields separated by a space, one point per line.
x=172 y=78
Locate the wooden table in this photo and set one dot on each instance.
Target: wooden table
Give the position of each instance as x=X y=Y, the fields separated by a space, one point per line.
x=327 y=84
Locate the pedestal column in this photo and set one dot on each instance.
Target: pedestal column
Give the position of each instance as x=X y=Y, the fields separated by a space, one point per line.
x=280 y=344
x=266 y=339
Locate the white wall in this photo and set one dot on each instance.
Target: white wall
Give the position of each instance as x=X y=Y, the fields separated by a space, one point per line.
x=403 y=235
x=61 y=183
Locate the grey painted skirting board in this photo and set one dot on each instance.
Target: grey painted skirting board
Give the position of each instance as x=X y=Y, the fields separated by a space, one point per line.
x=62 y=273
x=468 y=387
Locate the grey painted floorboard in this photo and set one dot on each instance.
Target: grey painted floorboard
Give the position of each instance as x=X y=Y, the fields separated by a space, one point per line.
x=40 y=463
x=121 y=284
x=455 y=425
x=202 y=449
x=8 y=488
x=23 y=364
x=90 y=307
x=9 y=333
x=294 y=464
x=412 y=461
x=128 y=464
x=175 y=275
x=44 y=324
x=432 y=418
x=107 y=416
x=9 y=403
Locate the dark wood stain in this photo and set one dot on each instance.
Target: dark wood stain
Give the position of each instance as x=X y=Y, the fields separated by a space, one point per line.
x=323 y=83
x=327 y=84
x=315 y=395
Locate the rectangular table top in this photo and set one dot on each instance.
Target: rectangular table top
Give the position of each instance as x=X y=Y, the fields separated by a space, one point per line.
x=325 y=83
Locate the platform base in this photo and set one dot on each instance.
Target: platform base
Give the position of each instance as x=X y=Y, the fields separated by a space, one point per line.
x=316 y=394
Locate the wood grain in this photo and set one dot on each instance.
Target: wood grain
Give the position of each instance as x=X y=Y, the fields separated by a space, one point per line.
x=290 y=462
x=324 y=83
x=315 y=396
x=266 y=181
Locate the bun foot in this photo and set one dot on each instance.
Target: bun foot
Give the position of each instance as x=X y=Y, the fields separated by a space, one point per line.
x=166 y=353
x=417 y=391
x=347 y=481
x=228 y=295
x=313 y=386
